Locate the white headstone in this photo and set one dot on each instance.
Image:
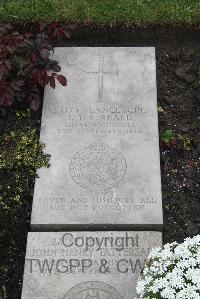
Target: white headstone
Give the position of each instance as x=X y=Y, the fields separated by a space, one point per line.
x=102 y=133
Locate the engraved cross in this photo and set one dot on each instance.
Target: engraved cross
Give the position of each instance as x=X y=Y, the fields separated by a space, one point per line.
x=101 y=72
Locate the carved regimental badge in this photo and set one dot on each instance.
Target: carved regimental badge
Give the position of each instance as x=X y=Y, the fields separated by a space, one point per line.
x=98 y=167
x=93 y=290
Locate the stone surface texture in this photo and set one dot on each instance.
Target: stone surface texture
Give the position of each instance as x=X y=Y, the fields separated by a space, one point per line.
x=102 y=134
x=85 y=265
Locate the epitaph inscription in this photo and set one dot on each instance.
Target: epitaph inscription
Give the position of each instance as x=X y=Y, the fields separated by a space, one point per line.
x=102 y=134
x=76 y=265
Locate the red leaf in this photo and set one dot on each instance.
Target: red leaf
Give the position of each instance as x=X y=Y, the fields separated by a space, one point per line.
x=34 y=101
x=29 y=35
x=5 y=99
x=16 y=38
x=62 y=80
x=34 y=57
x=8 y=26
x=59 y=33
x=5 y=51
x=44 y=53
x=55 y=32
x=40 y=76
x=71 y=27
x=3 y=70
x=14 y=86
x=67 y=34
x=34 y=88
x=46 y=81
x=54 y=24
x=42 y=26
x=52 y=82
x=27 y=69
x=8 y=100
x=19 y=83
x=3 y=84
x=3 y=30
x=8 y=64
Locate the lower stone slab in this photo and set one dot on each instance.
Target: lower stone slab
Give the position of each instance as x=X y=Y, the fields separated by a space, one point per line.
x=85 y=265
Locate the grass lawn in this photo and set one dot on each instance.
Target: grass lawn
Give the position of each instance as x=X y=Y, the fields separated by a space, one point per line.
x=107 y=12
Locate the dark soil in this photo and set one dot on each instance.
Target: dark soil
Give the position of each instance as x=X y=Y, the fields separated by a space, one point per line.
x=178 y=62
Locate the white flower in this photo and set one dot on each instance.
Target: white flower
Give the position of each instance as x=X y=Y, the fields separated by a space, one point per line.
x=172 y=272
x=194 y=276
x=154 y=252
x=141 y=287
x=188 y=293
x=168 y=293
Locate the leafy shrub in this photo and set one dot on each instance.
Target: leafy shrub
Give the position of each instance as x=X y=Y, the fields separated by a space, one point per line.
x=25 y=66
x=172 y=272
x=21 y=154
